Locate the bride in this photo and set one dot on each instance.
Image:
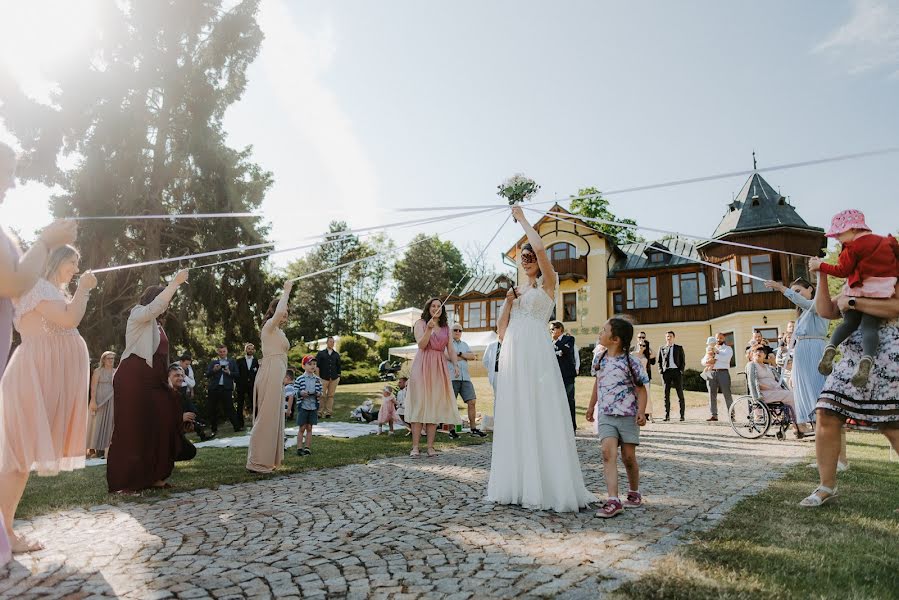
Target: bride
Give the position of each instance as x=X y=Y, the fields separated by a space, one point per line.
x=535 y=462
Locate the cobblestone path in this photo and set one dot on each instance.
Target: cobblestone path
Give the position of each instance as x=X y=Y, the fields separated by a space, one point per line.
x=395 y=528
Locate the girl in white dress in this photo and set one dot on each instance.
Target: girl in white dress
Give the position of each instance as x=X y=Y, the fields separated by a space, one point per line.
x=535 y=462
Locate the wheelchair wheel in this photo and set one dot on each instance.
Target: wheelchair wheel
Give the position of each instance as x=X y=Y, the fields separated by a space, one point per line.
x=748 y=418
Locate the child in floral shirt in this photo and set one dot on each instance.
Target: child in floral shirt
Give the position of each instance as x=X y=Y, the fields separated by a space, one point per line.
x=618 y=406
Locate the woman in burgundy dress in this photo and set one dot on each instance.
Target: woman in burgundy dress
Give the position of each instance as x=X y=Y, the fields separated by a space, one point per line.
x=146 y=437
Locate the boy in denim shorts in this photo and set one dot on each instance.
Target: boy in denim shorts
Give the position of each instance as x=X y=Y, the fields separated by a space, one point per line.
x=619 y=401
x=308 y=394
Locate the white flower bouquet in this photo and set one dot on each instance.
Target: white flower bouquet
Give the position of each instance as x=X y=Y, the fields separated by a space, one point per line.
x=517 y=189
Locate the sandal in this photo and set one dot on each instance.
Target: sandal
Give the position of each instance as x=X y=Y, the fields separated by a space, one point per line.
x=814 y=500
x=415 y=454
x=433 y=454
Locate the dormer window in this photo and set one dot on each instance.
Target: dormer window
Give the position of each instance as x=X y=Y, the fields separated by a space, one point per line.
x=657 y=258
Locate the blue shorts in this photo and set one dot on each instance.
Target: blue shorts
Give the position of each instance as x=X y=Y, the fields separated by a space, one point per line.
x=307 y=417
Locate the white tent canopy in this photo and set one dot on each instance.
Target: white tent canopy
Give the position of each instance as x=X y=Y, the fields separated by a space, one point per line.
x=476 y=340
x=322 y=343
x=404 y=316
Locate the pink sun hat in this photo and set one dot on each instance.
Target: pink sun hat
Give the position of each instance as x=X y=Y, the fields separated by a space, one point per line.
x=846 y=221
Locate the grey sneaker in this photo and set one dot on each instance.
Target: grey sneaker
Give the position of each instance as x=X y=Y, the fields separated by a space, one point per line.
x=825 y=367
x=860 y=379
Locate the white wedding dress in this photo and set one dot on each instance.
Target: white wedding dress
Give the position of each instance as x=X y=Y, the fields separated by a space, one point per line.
x=535 y=462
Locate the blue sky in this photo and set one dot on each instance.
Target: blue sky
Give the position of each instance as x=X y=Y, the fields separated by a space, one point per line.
x=361 y=107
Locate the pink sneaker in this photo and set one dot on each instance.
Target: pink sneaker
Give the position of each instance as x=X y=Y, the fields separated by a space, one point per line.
x=611 y=508
x=633 y=500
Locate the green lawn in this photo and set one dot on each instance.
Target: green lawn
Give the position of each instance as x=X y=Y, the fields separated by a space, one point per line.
x=768 y=547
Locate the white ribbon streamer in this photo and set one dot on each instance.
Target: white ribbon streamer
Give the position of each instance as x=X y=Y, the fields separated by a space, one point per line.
x=335 y=235
x=381 y=254
x=679 y=182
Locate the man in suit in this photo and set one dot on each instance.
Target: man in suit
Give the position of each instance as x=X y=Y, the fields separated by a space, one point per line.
x=221 y=373
x=247 y=366
x=671 y=364
x=329 y=372
x=565 y=355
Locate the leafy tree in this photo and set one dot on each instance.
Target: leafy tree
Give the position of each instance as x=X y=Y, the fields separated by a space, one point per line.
x=343 y=300
x=430 y=267
x=140 y=111
x=598 y=207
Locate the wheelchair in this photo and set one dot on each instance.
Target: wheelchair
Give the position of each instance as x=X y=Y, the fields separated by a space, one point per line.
x=752 y=419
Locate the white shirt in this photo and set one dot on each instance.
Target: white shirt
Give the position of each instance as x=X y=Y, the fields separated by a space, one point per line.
x=249 y=363
x=189 y=381
x=671 y=364
x=722 y=357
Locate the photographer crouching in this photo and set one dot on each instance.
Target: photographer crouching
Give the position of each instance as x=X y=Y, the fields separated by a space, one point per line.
x=189 y=420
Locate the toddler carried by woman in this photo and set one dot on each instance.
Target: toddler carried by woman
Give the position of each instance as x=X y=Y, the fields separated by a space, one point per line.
x=870 y=265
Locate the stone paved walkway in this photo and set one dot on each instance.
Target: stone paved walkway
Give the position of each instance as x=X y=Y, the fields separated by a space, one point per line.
x=395 y=528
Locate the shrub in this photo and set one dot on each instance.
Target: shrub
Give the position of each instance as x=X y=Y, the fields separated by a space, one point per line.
x=360 y=375
x=693 y=382
x=353 y=348
x=389 y=340
x=586 y=356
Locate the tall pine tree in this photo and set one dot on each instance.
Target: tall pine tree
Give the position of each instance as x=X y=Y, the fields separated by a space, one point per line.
x=140 y=111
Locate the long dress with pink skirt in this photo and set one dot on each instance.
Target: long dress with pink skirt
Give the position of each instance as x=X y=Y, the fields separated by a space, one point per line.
x=43 y=395
x=430 y=397
x=387 y=413
x=6 y=312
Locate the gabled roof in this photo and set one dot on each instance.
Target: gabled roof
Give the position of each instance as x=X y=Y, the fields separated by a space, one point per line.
x=547 y=218
x=758 y=206
x=635 y=257
x=484 y=285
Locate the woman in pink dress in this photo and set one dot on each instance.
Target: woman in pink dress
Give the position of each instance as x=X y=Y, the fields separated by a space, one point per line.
x=43 y=395
x=430 y=399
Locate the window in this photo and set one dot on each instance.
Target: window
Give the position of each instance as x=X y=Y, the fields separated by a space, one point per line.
x=641 y=293
x=450 y=313
x=726 y=281
x=562 y=251
x=617 y=303
x=758 y=265
x=569 y=304
x=475 y=315
x=770 y=334
x=656 y=257
x=496 y=307
x=800 y=268
x=689 y=289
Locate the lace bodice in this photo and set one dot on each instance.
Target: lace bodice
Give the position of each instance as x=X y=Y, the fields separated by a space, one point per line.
x=42 y=291
x=534 y=303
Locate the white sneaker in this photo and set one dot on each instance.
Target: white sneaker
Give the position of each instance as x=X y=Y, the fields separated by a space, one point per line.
x=841 y=466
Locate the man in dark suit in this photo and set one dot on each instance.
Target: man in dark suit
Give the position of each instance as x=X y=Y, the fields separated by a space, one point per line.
x=564 y=344
x=247 y=366
x=671 y=364
x=221 y=373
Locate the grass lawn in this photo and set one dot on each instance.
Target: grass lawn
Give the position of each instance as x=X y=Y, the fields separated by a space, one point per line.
x=768 y=547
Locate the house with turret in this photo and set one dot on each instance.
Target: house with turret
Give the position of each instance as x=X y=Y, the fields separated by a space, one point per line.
x=670 y=283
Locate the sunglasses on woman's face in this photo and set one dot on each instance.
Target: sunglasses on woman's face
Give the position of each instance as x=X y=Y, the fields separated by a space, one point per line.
x=528 y=258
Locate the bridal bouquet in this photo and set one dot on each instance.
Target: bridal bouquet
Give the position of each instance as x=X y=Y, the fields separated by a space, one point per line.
x=517 y=188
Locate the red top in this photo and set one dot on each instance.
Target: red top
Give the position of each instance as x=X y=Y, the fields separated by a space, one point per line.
x=868 y=256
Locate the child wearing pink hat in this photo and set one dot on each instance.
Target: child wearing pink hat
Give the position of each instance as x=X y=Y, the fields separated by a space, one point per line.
x=870 y=265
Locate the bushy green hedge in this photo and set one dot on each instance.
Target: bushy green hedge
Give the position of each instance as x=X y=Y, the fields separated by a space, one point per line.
x=693 y=382
x=360 y=375
x=586 y=356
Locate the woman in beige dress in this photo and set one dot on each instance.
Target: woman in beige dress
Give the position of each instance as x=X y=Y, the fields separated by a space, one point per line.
x=266 y=450
x=43 y=395
x=101 y=419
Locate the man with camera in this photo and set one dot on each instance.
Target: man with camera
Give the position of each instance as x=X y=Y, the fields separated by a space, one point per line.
x=221 y=373
x=719 y=375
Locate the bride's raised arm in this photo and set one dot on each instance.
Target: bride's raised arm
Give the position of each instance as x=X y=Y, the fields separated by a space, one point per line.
x=543 y=261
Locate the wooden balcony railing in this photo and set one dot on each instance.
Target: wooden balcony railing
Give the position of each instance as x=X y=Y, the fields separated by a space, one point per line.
x=571 y=268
